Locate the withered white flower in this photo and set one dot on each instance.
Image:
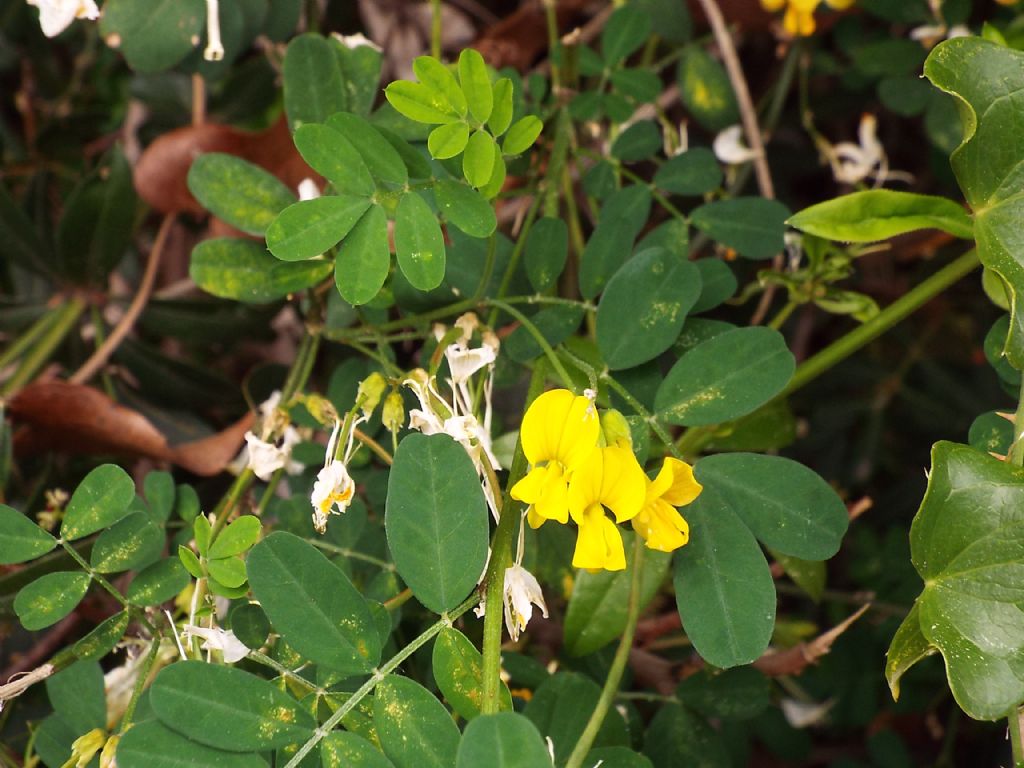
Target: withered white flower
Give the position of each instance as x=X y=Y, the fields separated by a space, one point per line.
x=357 y=40
x=522 y=592
x=730 y=148
x=56 y=15
x=853 y=163
x=214 y=47
x=264 y=457
x=216 y=639
x=333 y=489
x=308 y=189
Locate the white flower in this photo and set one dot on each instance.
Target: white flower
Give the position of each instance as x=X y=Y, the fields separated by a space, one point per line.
x=56 y=15
x=729 y=147
x=264 y=458
x=334 y=487
x=214 y=47
x=463 y=362
x=216 y=639
x=356 y=41
x=522 y=592
x=308 y=190
x=804 y=714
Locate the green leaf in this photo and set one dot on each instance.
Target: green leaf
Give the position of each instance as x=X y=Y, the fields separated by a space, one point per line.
x=238 y=192
x=640 y=141
x=447 y=141
x=561 y=707
x=330 y=154
x=243 y=270
x=364 y=258
x=344 y=749
x=991 y=433
x=102 y=639
x=237 y=537
x=151 y=744
x=732 y=694
x=497 y=181
x=623 y=215
x=77 y=696
x=754 y=226
x=20 y=538
x=360 y=72
x=380 y=157
x=547 y=248
x=96 y=227
x=308 y=228
x=50 y=598
x=227 y=708
x=159 y=582
x=909 y=646
x=555 y=323
x=465 y=208
x=414 y=728
x=419 y=243
x=19 y=240
x=878 y=214
x=617 y=757
x=725 y=377
x=155 y=36
x=705 y=90
x=458 y=672
x=313 y=86
x=476 y=84
x=626 y=30
x=676 y=737
x=478 y=160
x=439 y=79
x=158 y=488
x=597 y=609
x=313 y=605
x=501 y=113
x=133 y=542
x=250 y=624
x=717 y=284
x=202 y=531
x=641 y=85
x=694 y=172
x=100 y=500
x=967 y=543
x=987 y=81
x=809 y=575
x=434 y=499
x=190 y=561
x=420 y=103
x=521 y=135
x=724 y=588
x=644 y=306
x=785 y=504
x=503 y=740
x=227 y=571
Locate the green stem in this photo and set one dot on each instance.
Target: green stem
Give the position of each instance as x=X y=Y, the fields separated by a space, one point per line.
x=1016 y=720
x=223 y=509
x=92 y=574
x=551 y=15
x=485 y=278
x=494 y=579
x=282 y=670
x=63 y=321
x=641 y=411
x=1016 y=453
x=351 y=553
x=435 y=28
x=532 y=329
x=28 y=338
x=618 y=667
x=868 y=331
x=140 y=683
x=783 y=316
x=366 y=688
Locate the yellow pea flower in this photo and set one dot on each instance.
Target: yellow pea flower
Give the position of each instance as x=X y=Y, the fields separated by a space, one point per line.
x=608 y=477
x=798 y=20
x=658 y=522
x=559 y=431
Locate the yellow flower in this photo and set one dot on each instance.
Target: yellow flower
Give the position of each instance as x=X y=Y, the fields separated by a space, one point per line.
x=799 y=18
x=608 y=477
x=659 y=523
x=559 y=431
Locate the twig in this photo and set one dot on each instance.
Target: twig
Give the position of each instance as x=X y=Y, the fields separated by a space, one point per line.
x=100 y=357
x=795 y=660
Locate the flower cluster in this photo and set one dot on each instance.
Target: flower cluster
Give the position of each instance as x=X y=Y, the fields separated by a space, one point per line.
x=573 y=475
x=799 y=18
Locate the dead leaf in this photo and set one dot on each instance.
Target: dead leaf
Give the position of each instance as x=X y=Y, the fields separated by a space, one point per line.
x=70 y=418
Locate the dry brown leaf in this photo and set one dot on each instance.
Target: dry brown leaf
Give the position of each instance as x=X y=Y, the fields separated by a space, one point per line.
x=71 y=418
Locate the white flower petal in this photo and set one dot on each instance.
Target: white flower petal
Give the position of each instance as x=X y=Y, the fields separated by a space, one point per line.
x=729 y=147
x=522 y=592
x=219 y=640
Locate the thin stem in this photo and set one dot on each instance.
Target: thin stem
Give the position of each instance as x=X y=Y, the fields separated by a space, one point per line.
x=223 y=509
x=1016 y=721
x=92 y=574
x=268 y=493
x=100 y=357
x=351 y=553
x=140 y=684
x=611 y=683
x=28 y=338
x=532 y=329
x=783 y=315
x=551 y=15
x=1016 y=453
x=367 y=687
x=281 y=669
x=435 y=28
x=868 y=331
x=64 y=320
x=485 y=278
x=374 y=446
x=501 y=556
x=641 y=411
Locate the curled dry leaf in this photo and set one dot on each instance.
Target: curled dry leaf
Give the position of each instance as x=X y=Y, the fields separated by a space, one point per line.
x=162 y=171
x=71 y=418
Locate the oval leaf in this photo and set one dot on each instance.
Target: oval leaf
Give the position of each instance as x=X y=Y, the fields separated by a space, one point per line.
x=725 y=377
x=364 y=258
x=419 y=243
x=133 y=542
x=158 y=583
x=382 y=159
x=50 y=598
x=754 y=227
x=419 y=103
x=313 y=605
x=238 y=192
x=478 y=161
x=458 y=672
x=332 y=155
x=465 y=208
x=243 y=270
x=414 y=728
x=504 y=740
x=521 y=135
x=100 y=500
x=344 y=749
x=308 y=228
x=694 y=172
x=20 y=538
x=151 y=744
x=547 y=248
x=476 y=84
x=448 y=140
x=227 y=708
x=313 y=86
x=434 y=499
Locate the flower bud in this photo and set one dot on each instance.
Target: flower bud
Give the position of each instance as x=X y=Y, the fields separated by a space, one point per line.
x=370 y=391
x=615 y=429
x=85 y=747
x=108 y=757
x=321 y=409
x=393 y=412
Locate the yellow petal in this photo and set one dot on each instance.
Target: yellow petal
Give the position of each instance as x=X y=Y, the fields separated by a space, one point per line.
x=546 y=490
x=559 y=426
x=609 y=476
x=661 y=526
x=684 y=488
x=798 y=23
x=529 y=488
x=804 y=6
x=599 y=544
x=535 y=520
